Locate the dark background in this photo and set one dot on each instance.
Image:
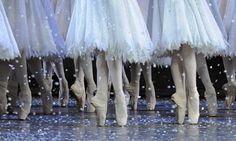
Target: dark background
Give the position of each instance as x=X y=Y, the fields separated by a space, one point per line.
x=162 y=79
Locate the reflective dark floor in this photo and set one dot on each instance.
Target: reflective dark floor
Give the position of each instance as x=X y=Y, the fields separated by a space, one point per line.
x=68 y=124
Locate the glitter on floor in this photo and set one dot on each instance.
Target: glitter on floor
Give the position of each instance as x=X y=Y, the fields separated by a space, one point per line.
x=67 y=124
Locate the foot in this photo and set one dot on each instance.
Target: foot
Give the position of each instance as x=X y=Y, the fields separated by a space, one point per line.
x=47 y=102
x=47 y=105
x=127 y=97
x=26 y=102
x=64 y=94
x=100 y=105
x=79 y=92
x=151 y=99
x=230 y=97
x=133 y=90
x=212 y=103
x=180 y=101
x=193 y=108
x=91 y=90
x=230 y=90
x=121 y=110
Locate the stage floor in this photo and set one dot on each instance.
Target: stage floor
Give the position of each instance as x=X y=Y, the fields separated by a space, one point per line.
x=67 y=124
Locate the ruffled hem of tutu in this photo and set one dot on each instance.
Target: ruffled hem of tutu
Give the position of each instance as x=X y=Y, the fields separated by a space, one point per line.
x=9 y=53
x=208 y=49
x=122 y=51
x=38 y=54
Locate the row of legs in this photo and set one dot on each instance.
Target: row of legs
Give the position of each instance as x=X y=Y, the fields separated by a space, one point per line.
x=186 y=96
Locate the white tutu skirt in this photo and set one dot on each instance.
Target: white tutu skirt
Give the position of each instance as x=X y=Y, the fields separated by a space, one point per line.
x=128 y=32
x=115 y=27
x=191 y=22
x=57 y=36
x=146 y=7
x=229 y=19
x=63 y=10
x=88 y=28
x=40 y=34
x=16 y=13
x=213 y=5
x=8 y=47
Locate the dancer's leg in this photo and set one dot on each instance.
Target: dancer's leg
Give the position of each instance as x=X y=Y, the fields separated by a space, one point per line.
x=48 y=73
x=100 y=100
x=115 y=69
x=78 y=87
x=210 y=93
x=190 y=67
x=86 y=63
x=35 y=66
x=12 y=91
x=125 y=78
x=64 y=90
x=180 y=95
x=230 y=87
x=150 y=90
x=25 y=92
x=135 y=85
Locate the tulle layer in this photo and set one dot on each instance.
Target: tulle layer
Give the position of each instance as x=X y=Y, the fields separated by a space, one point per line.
x=115 y=27
x=8 y=47
x=187 y=22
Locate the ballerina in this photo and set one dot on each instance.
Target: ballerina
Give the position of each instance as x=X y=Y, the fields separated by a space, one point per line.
x=203 y=37
x=16 y=14
x=115 y=31
x=136 y=69
x=83 y=65
x=56 y=63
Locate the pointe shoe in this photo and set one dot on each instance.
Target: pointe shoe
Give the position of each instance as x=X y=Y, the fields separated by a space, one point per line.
x=180 y=101
x=101 y=109
x=230 y=90
x=47 y=100
x=228 y=85
x=26 y=102
x=127 y=97
x=121 y=110
x=212 y=103
x=81 y=101
x=151 y=99
x=230 y=97
x=79 y=92
x=90 y=93
x=133 y=90
x=193 y=108
x=64 y=94
x=47 y=105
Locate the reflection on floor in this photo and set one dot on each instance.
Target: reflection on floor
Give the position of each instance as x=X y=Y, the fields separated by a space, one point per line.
x=68 y=124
